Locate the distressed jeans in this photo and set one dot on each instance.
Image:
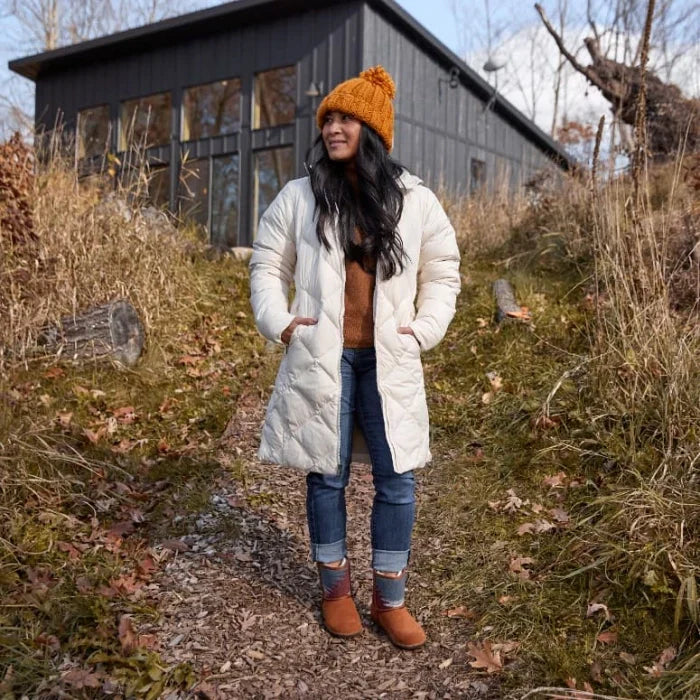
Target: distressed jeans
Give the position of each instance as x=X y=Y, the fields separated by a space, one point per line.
x=393 y=508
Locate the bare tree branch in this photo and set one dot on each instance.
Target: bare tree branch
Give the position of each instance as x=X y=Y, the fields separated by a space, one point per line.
x=592 y=77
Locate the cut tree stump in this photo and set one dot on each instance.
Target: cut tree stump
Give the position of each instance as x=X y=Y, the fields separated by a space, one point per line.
x=506 y=306
x=111 y=331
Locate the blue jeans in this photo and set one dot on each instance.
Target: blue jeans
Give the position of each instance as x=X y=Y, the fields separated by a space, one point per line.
x=393 y=509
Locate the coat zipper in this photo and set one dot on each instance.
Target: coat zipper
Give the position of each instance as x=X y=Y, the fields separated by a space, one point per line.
x=341 y=324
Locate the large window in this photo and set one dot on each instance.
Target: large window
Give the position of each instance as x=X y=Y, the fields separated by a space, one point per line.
x=93 y=131
x=221 y=174
x=159 y=186
x=211 y=110
x=273 y=169
x=478 y=175
x=193 y=191
x=224 y=200
x=274 y=99
x=145 y=121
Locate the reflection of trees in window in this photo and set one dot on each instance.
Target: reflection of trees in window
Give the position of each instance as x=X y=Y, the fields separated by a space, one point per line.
x=93 y=131
x=478 y=175
x=224 y=201
x=159 y=186
x=275 y=97
x=273 y=169
x=145 y=121
x=210 y=110
x=193 y=191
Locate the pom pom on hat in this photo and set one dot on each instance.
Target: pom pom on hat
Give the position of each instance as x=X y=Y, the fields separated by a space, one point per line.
x=379 y=77
x=368 y=97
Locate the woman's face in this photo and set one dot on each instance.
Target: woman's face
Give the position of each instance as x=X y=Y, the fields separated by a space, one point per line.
x=341 y=136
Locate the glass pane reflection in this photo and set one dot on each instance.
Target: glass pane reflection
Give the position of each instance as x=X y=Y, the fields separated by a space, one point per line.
x=478 y=175
x=145 y=121
x=274 y=168
x=275 y=97
x=224 y=201
x=211 y=110
x=193 y=191
x=159 y=186
x=93 y=131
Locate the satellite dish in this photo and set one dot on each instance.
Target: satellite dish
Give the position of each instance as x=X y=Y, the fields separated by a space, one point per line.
x=493 y=64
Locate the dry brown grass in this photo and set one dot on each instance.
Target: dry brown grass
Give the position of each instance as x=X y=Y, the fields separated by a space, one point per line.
x=86 y=252
x=484 y=221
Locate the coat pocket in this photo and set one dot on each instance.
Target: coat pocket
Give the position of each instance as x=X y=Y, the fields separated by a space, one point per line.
x=409 y=343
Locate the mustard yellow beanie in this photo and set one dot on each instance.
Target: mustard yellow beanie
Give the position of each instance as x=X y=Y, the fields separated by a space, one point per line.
x=367 y=98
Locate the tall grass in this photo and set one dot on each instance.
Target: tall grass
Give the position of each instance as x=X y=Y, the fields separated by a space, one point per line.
x=621 y=372
x=93 y=243
x=645 y=376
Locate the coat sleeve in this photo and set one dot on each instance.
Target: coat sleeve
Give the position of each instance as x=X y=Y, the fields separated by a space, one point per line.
x=439 y=280
x=272 y=267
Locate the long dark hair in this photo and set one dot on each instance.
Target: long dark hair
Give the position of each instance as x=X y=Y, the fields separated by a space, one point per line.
x=375 y=209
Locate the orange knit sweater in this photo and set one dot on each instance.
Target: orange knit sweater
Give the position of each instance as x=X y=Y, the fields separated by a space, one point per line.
x=358 y=325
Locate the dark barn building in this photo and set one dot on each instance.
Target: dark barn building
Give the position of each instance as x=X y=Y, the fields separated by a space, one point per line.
x=225 y=100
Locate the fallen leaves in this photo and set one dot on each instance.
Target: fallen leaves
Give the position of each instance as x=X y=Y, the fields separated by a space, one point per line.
x=523 y=314
x=556 y=481
x=485 y=657
x=489 y=656
x=496 y=383
x=608 y=636
x=629 y=659
x=129 y=640
x=461 y=611
x=518 y=565
x=536 y=528
x=79 y=678
x=127 y=636
x=659 y=666
x=594 y=608
x=125 y=414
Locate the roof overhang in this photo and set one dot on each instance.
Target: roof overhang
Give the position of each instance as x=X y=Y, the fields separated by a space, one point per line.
x=235 y=14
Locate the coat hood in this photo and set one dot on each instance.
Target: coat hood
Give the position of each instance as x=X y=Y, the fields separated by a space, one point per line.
x=408 y=180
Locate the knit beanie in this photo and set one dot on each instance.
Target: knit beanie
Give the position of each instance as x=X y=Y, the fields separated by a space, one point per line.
x=367 y=98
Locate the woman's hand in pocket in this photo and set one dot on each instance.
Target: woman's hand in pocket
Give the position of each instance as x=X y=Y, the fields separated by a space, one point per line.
x=405 y=330
x=298 y=321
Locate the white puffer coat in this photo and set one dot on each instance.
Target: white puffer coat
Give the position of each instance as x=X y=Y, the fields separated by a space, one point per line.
x=303 y=416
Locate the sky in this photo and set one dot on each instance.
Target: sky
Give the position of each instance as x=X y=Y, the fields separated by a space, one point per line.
x=525 y=81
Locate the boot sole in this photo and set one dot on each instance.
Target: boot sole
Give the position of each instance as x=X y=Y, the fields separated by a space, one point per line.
x=408 y=647
x=340 y=635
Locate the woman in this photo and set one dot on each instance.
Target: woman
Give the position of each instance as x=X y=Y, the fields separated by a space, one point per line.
x=375 y=267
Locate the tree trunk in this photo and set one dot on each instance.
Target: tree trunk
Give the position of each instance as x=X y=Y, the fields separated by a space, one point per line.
x=111 y=331
x=670 y=117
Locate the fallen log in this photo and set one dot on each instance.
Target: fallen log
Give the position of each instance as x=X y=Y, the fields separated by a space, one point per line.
x=506 y=305
x=111 y=331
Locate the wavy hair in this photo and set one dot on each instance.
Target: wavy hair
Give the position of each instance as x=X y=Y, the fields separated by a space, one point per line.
x=375 y=208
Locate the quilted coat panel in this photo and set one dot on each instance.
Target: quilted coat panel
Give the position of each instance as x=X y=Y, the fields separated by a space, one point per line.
x=302 y=420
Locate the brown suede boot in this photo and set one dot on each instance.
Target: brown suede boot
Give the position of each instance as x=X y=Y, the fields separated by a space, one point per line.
x=340 y=615
x=390 y=613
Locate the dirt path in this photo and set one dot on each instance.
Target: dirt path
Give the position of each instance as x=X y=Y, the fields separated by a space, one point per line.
x=239 y=602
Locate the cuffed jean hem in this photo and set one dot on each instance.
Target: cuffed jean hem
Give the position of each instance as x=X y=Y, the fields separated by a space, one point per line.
x=385 y=560
x=327 y=553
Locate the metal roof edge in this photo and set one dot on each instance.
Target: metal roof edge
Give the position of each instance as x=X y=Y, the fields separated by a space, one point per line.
x=30 y=66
